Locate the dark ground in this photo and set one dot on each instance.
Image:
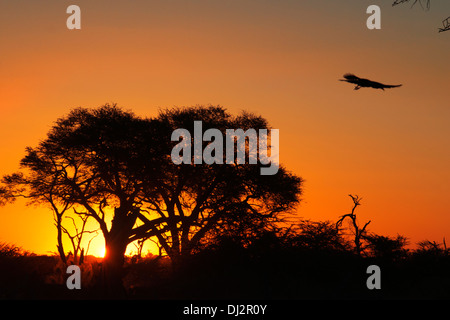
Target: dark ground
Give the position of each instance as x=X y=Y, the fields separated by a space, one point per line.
x=231 y=272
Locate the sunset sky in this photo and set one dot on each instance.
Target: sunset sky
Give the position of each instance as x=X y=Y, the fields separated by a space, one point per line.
x=281 y=59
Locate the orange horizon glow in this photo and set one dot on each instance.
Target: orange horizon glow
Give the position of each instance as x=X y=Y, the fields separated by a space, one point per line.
x=279 y=59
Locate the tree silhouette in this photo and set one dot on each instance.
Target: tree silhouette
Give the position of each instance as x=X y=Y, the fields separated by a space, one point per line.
x=319 y=235
x=91 y=160
x=115 y=167
x=193 y=202
x=41 y=191
x=358 y=232
x=387 y=248
x=433 y=247
x=76 y=238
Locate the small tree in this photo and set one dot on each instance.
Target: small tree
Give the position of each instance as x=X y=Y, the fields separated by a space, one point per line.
x=76 y=237
x=358 y=233
x=433 y=248
x=43 y=189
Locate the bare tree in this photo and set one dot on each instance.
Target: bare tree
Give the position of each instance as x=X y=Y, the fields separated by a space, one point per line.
x=76 y=238
x=358 y=232
x=139 y=245
x=45 y=190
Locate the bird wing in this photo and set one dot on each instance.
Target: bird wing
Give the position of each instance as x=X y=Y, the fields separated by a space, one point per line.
x=391 y=86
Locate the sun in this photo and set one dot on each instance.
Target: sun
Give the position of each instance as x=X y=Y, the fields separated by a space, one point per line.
x=101 y=252
x=96 y=247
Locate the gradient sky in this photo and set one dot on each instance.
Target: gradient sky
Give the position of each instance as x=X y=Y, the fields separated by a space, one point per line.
x=278 y=58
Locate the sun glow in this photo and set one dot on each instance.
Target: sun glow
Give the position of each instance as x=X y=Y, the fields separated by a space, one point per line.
x=101 y=252
x=96 y=247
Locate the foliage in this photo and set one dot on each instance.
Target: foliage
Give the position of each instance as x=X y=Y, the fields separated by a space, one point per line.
x=11 y=251
x=114 y=167
x=387 y=248
x=319 y=235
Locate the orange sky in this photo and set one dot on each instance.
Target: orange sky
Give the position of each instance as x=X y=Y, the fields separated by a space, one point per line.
x=280 y=59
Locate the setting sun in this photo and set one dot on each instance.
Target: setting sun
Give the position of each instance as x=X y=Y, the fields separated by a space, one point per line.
x=101 y=252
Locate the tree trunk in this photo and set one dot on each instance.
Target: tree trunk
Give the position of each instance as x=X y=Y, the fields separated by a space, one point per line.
x=116 y=242
x=178 y=263
x=60 y=246
x=113 y=271
x=179 y=260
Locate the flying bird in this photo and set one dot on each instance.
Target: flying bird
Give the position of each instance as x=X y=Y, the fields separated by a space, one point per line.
x=365 y=83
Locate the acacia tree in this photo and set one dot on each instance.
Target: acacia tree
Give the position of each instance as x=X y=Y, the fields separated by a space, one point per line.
x=115 y=167
x=92 y=161
x=193 y=201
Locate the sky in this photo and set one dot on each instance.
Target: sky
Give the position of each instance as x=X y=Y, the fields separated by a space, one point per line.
x=278 y=58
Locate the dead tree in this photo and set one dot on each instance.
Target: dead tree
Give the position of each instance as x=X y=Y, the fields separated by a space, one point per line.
x=139 y=245
x=357 y=231
x=76 y=239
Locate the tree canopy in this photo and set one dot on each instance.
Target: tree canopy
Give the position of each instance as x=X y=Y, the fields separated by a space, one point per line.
x=114 y=166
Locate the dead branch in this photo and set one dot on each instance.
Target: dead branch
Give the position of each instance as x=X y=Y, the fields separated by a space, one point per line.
x=446 y=24
x=357 y=231
x=397 y=2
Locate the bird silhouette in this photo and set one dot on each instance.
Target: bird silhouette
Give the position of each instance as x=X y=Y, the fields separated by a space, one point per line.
x=365 y=83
